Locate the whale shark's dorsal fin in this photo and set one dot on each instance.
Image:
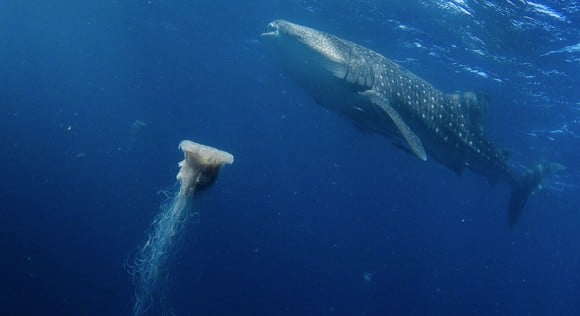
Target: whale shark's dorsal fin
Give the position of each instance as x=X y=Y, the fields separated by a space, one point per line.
x=410 y=137
x=474 y=107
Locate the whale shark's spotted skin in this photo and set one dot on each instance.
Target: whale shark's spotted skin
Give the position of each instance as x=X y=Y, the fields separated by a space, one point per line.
x=383 y=97
x=445 y=122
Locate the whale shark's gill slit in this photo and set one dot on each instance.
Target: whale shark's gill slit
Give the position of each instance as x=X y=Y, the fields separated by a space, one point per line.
x=346 y=73
x=369 y=82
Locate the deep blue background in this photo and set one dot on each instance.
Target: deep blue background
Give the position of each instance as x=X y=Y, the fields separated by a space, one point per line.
x=311 y=205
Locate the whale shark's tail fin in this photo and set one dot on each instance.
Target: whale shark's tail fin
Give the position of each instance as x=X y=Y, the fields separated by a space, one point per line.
x=526 y=185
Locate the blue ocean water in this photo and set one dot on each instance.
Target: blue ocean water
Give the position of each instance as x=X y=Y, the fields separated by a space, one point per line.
x=314 y=217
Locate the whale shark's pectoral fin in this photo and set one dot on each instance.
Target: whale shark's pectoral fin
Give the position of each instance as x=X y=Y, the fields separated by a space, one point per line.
x=410 y=137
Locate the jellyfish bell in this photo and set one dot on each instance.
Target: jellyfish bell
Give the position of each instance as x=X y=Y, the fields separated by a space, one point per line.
x=200 y=167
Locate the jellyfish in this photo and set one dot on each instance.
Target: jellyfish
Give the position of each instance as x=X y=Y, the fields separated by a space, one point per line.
x=197 y=171
x=136 y=128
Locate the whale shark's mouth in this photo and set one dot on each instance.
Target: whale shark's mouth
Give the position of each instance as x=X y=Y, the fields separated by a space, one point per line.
x=271 y=30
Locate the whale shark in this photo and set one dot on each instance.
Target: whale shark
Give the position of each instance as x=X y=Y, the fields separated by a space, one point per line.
x=383 y=97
